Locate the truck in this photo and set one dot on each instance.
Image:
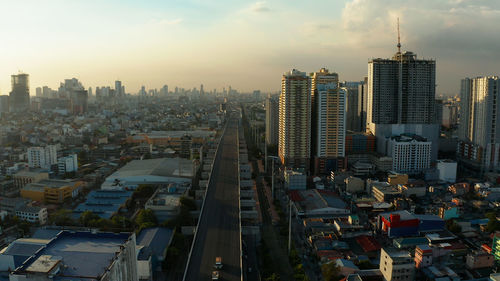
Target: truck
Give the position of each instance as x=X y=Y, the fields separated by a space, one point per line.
x=218 y=262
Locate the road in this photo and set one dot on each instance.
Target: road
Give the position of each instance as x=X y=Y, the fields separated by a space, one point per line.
x=219 y=227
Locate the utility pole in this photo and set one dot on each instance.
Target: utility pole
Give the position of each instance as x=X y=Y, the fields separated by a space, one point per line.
x=272 y=181
x=290 y=226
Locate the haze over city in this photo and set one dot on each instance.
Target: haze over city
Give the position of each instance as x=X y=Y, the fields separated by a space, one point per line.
x=245 y=44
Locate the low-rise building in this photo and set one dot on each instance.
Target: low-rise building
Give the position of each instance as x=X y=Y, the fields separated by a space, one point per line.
x=151 y=171
x=449 y=211
x=396 y=179
x=51 y=191
x=384 y=192
x=33 y=214
x=318 y=203
x=396 y=265
x=165 y=203
x=24 y=177
x=67 y=164
x=479 y=259
x=414 y=188
x=73 y=255
x=447 y=170
x=10 y=205
x=459 y=188
x=354 y=185
x=295 y=180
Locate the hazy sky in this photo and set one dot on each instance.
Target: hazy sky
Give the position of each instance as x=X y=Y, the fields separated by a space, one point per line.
x=245 y=44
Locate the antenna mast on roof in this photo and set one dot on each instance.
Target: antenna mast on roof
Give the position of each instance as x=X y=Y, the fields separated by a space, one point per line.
x=399 y=39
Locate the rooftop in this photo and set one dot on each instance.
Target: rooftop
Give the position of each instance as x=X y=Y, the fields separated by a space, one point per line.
x=154 y=241
x=164 y=167
x=97 y=250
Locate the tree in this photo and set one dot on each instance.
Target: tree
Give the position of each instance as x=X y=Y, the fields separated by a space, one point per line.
x=144 y=191
x=146 y=217
x=493 y=224
x=273 y=277
x=62 y=217
x=331 y=272
x=89 y=219
x=188 y=203
x=453 y=226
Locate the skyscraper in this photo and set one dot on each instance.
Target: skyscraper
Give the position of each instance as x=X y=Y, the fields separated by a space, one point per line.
x=328 y=128
x=479 y=130
x=362 y=104
x=401 y=99
x=272 y=117
x=4 y=104
x=20 y=95
x=118 y=88
x=294 y=147
x=323 y=76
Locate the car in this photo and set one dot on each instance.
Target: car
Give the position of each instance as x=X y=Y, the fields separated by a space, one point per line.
x=218 y=262
x=215 y=275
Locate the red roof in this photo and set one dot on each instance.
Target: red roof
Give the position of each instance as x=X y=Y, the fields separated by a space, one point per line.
x=368 y=243
x=330 y=254
x=295 y=196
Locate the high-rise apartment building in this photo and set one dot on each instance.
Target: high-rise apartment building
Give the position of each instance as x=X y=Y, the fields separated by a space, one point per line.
x=4 y=104
x=328 y=121
x=401 y=99
x=118 y=88
x=362 y=104
x=272 y=121
x=410 y=154
x=294 y=137
x=19 y=100
x=330 y=127
x=479 y=130
x=42 y=157
x=352 y=103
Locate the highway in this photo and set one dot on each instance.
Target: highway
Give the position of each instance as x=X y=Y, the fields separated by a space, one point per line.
x=218 y=232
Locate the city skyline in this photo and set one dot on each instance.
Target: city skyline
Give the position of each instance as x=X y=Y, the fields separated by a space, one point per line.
x=238 y=43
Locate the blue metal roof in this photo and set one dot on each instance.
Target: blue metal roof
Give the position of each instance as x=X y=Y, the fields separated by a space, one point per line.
x=103 y=203
x=155 y=241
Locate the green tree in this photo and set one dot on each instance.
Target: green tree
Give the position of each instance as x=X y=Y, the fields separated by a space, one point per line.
x=88 y=218
x=62 y=217
x=331 y=272
x=453 y=226
x=493 y=224
x=146 y=216
x=188 y=203
x=273 y=277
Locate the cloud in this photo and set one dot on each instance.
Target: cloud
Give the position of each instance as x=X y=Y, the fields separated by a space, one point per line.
x=260 y=7
x=460 y=34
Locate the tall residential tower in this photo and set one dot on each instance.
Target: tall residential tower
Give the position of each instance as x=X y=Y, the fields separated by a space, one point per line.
x=19 y=100
x=479 y=131
x=329 y=112
x=401 y=99
x=294 y=139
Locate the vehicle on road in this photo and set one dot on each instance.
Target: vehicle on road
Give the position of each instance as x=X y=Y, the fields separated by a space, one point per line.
x=215 y=275
x=218 y=262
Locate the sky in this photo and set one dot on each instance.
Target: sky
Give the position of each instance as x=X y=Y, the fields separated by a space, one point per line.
x=245 y=44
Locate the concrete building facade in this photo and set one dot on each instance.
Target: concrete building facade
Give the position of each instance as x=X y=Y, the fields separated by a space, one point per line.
x=479 y=130
x=294 y=140
x=272 y=121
